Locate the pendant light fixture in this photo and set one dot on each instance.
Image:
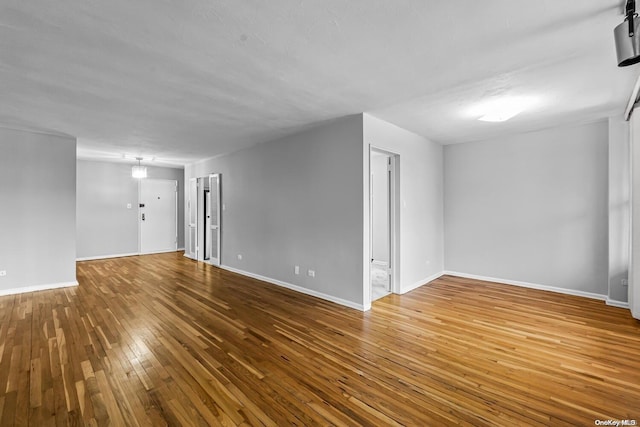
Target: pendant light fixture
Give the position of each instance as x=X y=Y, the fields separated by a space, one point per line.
x=139 y=171
x=627 y=37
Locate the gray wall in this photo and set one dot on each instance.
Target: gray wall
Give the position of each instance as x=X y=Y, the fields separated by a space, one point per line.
x=105 y=227
x=619 y=206
x=421 y=200
x=296 y=201
x=37 y=209
x=531 y=207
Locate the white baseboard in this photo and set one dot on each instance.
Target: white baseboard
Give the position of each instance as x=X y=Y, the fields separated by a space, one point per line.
x=420 y=283
x=166 y=251
x=529 y=285
x=296 y=288
x=91 y=258
x=180 y=249
x=616 y=303
x=25 y=289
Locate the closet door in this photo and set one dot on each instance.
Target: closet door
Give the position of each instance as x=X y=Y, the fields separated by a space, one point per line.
x=191 y=249
x=213 y=212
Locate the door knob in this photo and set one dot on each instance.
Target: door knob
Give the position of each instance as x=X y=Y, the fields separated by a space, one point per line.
x=143 y=217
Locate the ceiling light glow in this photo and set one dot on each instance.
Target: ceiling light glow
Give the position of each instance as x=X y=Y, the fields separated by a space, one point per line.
x=501 y=109
x=499 y=116
x=139 y=171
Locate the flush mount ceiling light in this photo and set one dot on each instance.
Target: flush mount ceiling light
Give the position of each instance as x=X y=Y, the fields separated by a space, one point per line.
x=501 y=109
x=627 y=37
x=139 y=171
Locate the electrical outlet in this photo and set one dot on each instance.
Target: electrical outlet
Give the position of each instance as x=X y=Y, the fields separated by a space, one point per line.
x=3 y=273
x=624 y=282
x=296 y=269
x=239 y=256
x=311 y=273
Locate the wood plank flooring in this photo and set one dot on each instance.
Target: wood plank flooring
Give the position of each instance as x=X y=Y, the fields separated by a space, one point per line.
x=162 y=340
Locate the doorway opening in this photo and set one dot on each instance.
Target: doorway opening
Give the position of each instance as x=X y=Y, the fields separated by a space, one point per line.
x=382 y=220
x=203 y=206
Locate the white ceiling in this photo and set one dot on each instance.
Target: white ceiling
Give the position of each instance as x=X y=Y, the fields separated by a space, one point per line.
x=182 y=81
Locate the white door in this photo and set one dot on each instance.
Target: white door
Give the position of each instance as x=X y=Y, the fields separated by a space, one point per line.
x=213 y=217
x=207 y=224
x=158 y=215
x=192 y=208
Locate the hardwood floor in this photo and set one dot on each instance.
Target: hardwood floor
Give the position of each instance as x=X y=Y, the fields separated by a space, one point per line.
x=162 y=340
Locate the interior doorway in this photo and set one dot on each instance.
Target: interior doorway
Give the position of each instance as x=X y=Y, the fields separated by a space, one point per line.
x=203 y=206
x=158 y=216
x=201 y=222
x=382 y=202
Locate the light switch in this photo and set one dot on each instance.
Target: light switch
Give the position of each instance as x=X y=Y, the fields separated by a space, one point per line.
x=128 y=205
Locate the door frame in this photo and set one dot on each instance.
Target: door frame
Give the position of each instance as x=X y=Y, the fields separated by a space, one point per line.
x=394 y=223
x=200 y=220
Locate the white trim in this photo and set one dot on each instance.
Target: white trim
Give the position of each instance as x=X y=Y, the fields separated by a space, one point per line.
x=574 y=292
x=377 y=262
x=296 y=288
x=90 y=258
x=632 y=100
x=186 y=255
x=158 y=252
x=616 y=303
x=422 y=282
x=180 y=249
x=25 y=289
x=37 y=131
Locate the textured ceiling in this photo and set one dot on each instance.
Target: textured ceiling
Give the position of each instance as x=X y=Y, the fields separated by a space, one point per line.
x=181 y=81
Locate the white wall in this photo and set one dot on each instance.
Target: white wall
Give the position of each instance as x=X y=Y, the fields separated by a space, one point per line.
x=531 y=207
x=105 y=226
x=37 y=211
x=421 y=201
x=619 y=206
x=296 y=201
